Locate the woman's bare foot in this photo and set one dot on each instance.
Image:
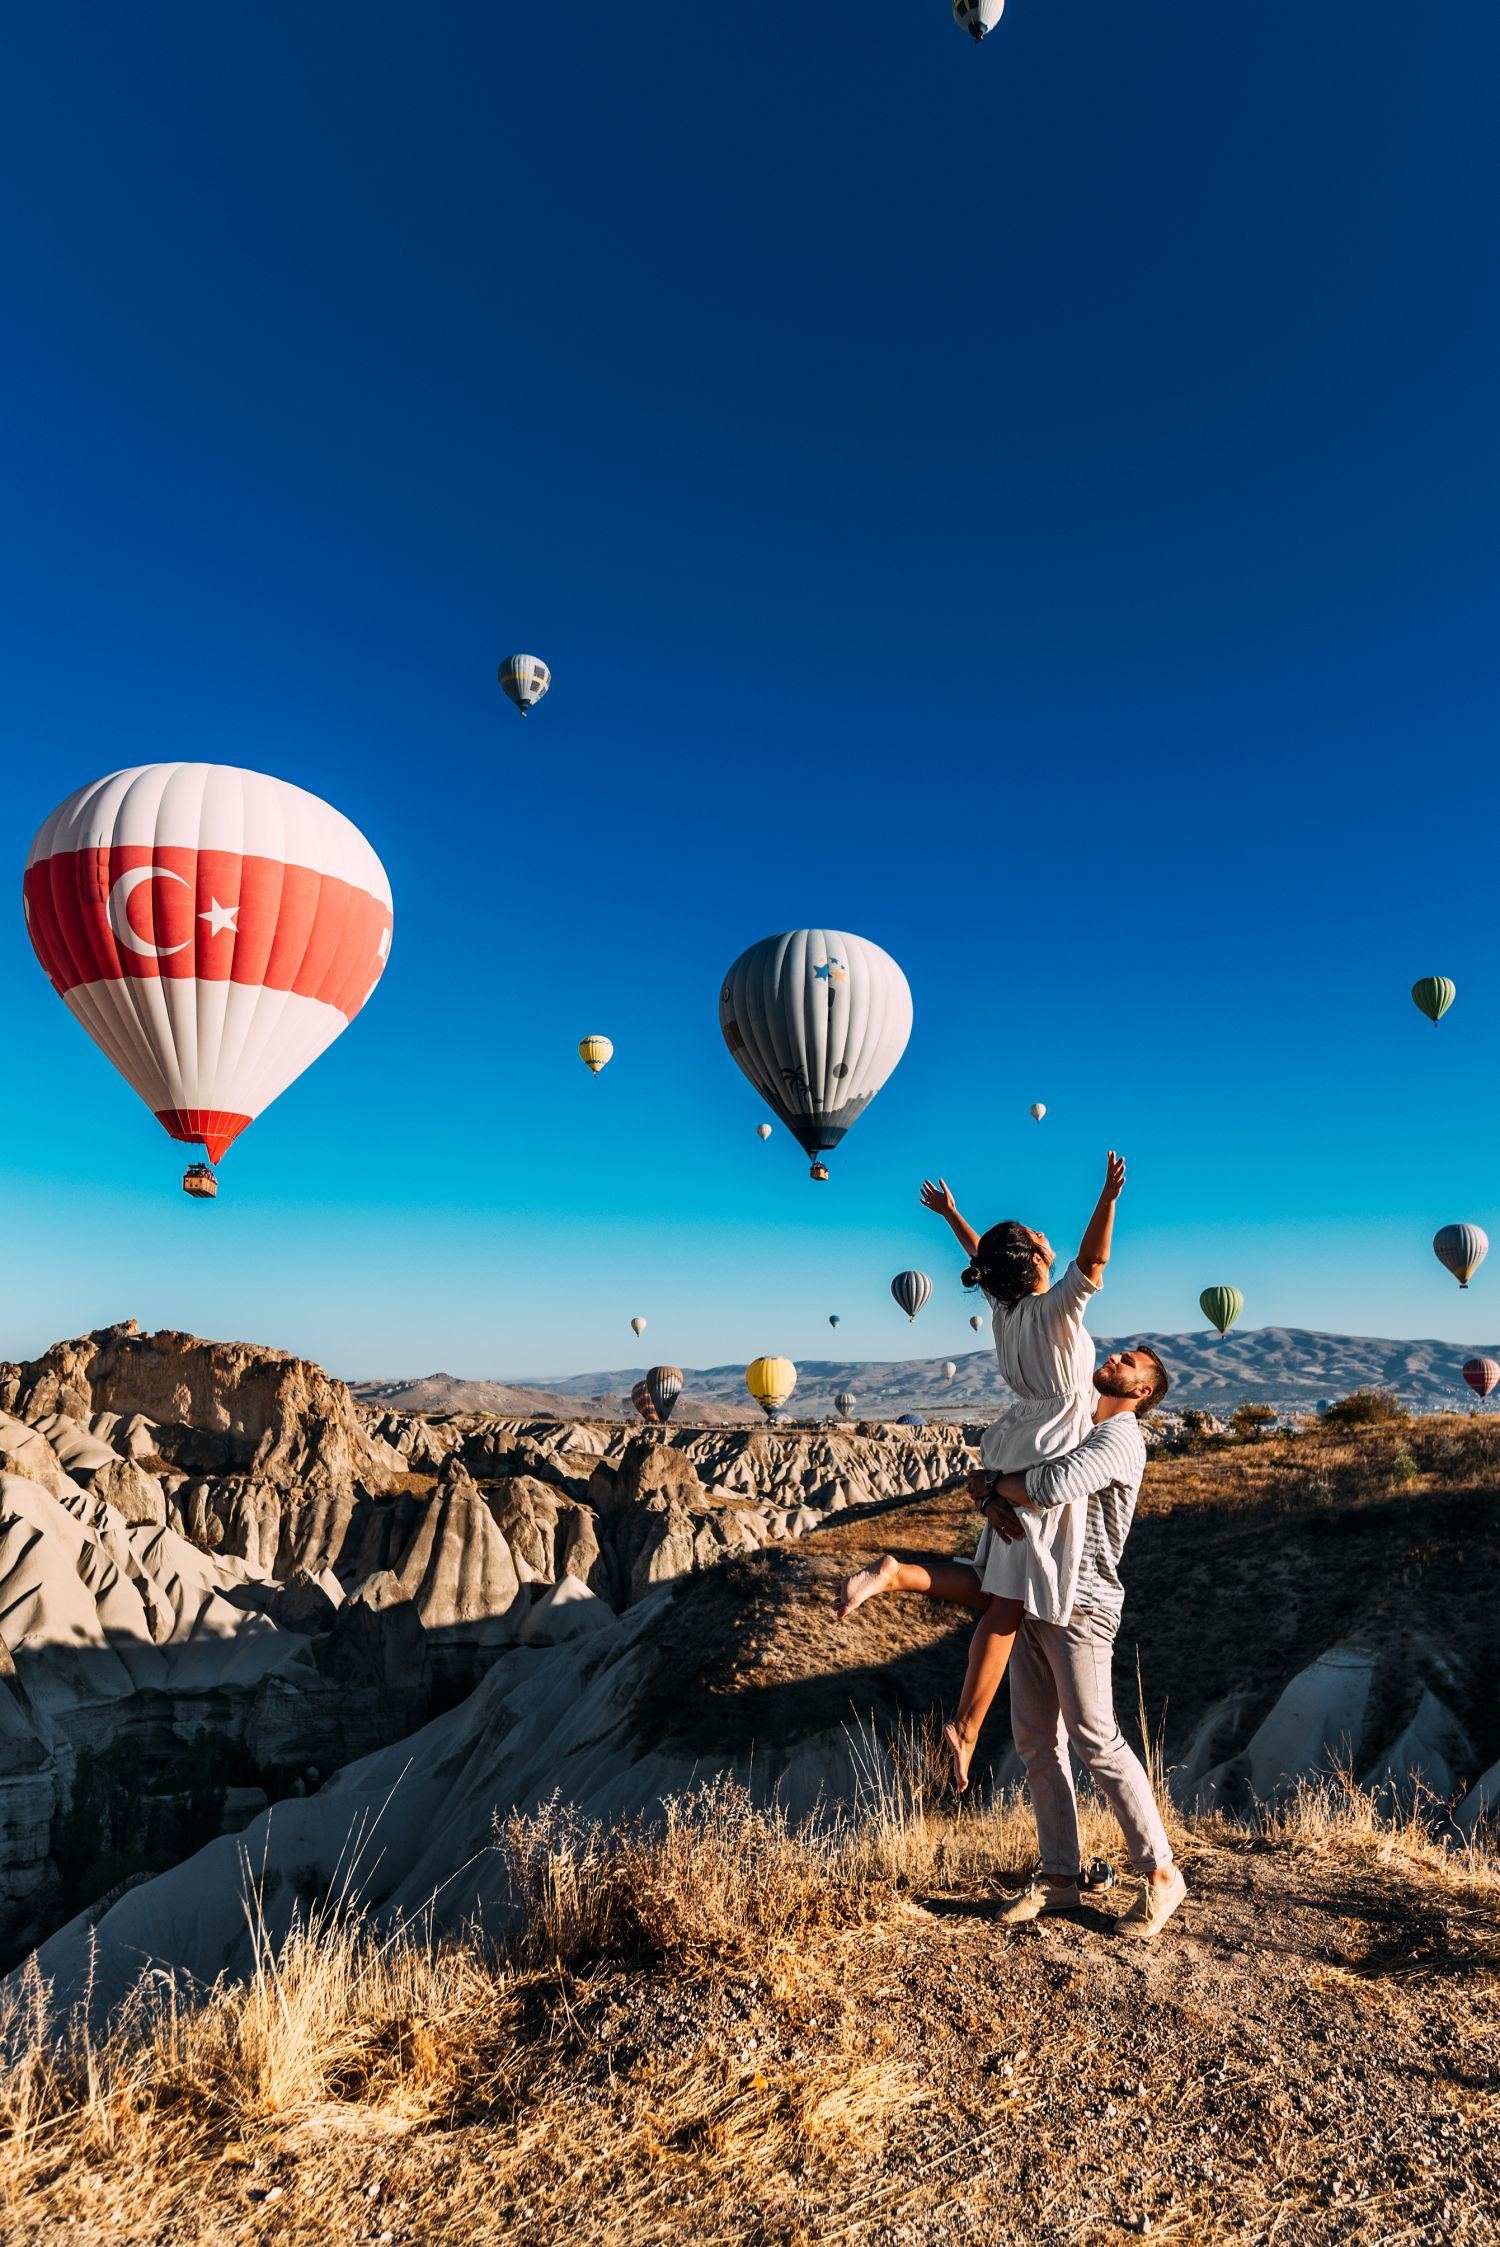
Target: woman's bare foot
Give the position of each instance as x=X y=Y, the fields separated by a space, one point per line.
x=864 y=1585
x=962 y=1751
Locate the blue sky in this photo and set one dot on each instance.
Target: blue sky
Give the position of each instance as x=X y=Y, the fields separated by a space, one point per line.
x=1033 y=506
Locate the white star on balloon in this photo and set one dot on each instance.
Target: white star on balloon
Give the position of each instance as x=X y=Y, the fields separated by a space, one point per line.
x=220 y=917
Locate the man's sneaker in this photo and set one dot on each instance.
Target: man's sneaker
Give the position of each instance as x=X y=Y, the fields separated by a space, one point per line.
x=1040 y=1896
x=1154 y=1906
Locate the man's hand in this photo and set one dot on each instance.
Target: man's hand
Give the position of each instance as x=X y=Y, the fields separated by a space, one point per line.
x=1004 y=1520
x=938 y=1199
x=1114 y=1176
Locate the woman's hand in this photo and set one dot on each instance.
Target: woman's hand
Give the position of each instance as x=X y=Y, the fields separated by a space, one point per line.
x=939 y=1200
x=1114 y=1176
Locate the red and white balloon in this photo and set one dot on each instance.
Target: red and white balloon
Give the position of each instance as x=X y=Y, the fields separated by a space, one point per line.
x=212 y=929
x=1481 y=1375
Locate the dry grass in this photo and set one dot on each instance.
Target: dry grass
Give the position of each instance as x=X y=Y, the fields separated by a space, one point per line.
x=695 y=2032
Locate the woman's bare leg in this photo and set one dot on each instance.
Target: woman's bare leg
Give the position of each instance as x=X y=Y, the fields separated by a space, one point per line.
x=989 y=1652
x=951 y=1580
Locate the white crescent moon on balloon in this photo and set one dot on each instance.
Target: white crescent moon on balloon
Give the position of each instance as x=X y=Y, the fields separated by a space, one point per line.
x=119 y=898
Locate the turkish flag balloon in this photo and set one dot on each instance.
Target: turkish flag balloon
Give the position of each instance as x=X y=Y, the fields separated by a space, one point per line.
x=212 y=929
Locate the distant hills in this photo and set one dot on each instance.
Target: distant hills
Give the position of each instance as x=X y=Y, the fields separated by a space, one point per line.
x=1287 y=1366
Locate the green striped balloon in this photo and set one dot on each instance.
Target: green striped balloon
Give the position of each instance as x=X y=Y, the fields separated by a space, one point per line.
x=1434 y=994
x=1221 y=1306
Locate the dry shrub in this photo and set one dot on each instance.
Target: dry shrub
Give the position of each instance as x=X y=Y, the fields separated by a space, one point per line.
x=1367 y=1408
x=716 y=1875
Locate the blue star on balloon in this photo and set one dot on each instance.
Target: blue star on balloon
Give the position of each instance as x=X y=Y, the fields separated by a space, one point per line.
x=830 y=971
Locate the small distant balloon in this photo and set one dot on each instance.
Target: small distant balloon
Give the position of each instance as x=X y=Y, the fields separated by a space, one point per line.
x=524 y=679
x=1481 y=1374
x=977 y=17
x=771 y=1381
x=594 y=1053
x=1434 y=994
x=1221 y=1306
x=911 y=1290
x=664 y=1387
x=843 y=1404
x=762 y=1132
x=977 y=1323
x=833 y=1318
x=949 y=1369
x=1038 y=1110
x=638 y=1327
x=1461 y=1249
x=640 y=1397
x=911 y=1420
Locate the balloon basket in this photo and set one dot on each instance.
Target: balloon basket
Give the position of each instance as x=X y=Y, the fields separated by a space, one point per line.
x=199 y=1182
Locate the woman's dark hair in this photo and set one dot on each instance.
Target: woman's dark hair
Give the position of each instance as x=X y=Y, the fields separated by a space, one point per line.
x=1005 y=1262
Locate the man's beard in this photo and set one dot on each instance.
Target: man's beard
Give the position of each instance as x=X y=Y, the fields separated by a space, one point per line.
x=1119 y=1381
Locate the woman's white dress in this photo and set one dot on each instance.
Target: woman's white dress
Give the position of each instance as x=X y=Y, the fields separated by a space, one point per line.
x=1047 y=1358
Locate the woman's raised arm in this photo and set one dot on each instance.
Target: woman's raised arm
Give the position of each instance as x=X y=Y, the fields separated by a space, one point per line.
x=1099 y=1233
x=938 y=1198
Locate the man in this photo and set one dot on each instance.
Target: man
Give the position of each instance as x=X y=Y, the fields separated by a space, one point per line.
x=1060 y=1684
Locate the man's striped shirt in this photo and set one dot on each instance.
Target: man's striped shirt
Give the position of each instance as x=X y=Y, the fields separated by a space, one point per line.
x=1104 y=1474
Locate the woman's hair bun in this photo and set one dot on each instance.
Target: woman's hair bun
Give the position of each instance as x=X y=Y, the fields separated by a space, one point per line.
x=970 y=1275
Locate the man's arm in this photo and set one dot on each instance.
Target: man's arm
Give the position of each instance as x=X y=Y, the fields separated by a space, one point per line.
x=1099 y=1233
x=939 y=1199
x=1107 y=1454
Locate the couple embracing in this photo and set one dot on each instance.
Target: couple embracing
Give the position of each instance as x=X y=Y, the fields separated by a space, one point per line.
x=1061 y=1471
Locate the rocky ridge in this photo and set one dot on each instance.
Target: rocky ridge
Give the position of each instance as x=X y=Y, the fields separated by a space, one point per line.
x=221 y=1577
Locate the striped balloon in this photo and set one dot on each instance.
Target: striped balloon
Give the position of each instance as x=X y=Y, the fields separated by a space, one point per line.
x=1481 y=1374
x=640 y=1397
x=1461 y=1249
x=1434 y=994
x=911 y=1290
x=1221 y=1306
x=594 y=1053
x=212 y=929
x=911 y=1420
x=977 y=17
x=664 y=1387
x=524 y=679
x=817 y=1020
x=843 y=1404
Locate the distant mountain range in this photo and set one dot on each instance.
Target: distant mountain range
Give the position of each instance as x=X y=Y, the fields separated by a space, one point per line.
x=1287 y=1366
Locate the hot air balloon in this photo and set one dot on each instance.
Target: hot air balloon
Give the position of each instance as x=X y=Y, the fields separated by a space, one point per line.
x=637 y=1327
x=212 y=929
x=977 y=16
x=911 y=1290
x=771 y=1381
x=911 y=1420
x=1462 y=1249
x=817 y=1020
x=594 y=1053
x=762 y=1132
x=525 y=679
x=977 y=1323
x=1481 y=1374
x=1038 y=1110
x=664 y=1387
x=949 y=1369
x=640 y=1397
x=1434 y=994
x=843 y=1404
x=833 y=1318
x=1221 y=1306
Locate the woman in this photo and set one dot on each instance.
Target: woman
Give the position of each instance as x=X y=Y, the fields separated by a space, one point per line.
x=1048 y=1360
